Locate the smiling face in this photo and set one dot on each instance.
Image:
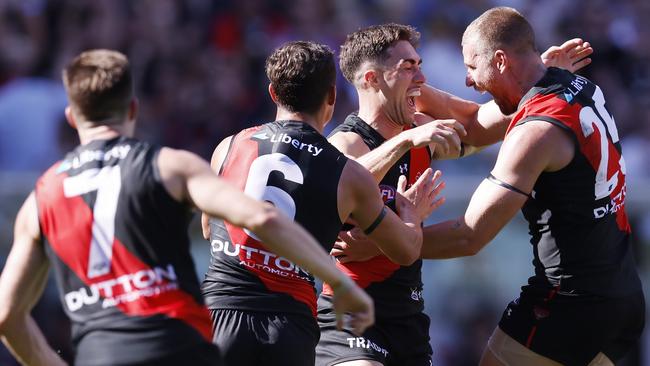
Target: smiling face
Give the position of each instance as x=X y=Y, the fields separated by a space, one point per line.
x=484 y=75
x=400 y=79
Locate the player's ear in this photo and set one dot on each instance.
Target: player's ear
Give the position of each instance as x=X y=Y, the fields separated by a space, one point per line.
x=69 y=116
x=274 y=97
x=331 y=95
x=500 y=60
x=371 y=78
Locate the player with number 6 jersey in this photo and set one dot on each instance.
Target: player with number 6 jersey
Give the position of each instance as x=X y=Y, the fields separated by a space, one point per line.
x=263 y=305
x=112 y=218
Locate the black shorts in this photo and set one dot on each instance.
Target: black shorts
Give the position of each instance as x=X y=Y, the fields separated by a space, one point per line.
x=205 y=354
x=400 y=341
x=264 y=338
x=573 y=329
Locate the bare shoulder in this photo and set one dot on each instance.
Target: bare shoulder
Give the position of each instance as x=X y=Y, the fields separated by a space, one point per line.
x=27 y=224
x=178 y=161
x=219 y=154
x=175 y=167
x=542 y=140
x=349 y=143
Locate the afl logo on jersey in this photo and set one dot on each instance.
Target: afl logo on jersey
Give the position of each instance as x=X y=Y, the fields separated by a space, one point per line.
x=387 y=192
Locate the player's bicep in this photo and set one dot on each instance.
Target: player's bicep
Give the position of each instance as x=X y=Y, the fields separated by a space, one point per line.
x=377 y=221
x=529 y=150
x=490 y=209
x=213 y=195
x=25 y=272
x=349 y=143
x=488 y=125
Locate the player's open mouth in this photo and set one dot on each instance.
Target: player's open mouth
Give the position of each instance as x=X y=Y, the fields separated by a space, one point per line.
x=410 y=97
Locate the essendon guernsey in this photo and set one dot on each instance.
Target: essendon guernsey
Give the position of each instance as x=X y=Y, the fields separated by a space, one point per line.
x=291 y=165
x=396 y=290
x=120 y=251
x=580 y=231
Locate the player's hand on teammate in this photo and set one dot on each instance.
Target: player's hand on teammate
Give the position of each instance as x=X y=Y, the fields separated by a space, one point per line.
x=442 y=134
x=572 y=55
x=422 y=196
x=439 y=152
x=354 y=309
x=354 y=246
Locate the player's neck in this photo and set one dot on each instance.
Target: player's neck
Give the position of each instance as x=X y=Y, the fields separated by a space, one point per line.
x=103 y=132
x=530 y=73
x=379 y=120
x=311 y=119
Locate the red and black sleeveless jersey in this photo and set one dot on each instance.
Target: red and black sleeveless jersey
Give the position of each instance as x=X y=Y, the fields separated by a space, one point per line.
x=580 y=231
x=396 y=290
x=119 y=246
x=293 y=166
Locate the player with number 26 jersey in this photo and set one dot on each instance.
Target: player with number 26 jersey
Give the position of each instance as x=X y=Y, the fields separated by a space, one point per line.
x=585 y=292
x=577 y=215
x=132 y=286
x=291 y=165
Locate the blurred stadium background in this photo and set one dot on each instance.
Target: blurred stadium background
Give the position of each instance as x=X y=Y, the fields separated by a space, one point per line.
x=199 y=75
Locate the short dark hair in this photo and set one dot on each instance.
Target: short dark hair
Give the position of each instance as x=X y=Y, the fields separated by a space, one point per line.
x=301 y=74
x=99 y=84
x=371 y=44
x=500 y=28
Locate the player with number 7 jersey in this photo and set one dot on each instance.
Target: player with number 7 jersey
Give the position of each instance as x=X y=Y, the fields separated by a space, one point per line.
x=112 y=218
x=135 y=277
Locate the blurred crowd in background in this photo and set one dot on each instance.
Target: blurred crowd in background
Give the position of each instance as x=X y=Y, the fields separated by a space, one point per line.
x=199 y=75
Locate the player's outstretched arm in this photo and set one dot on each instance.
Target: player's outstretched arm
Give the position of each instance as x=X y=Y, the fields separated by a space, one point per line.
x=498 y=199
x=440 y=136
x=189 y=179
x=485 y=124
x=218 y=157
x=21 y=285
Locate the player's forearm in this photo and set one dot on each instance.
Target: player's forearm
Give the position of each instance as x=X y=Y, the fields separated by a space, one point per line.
x=449 y=239
x=381 y=159
x=484 y=123
x=27 y=343
x=442 y=105
x=287 y=239
x=400 y=242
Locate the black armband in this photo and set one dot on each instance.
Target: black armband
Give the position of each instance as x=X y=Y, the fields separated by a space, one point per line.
x=377 y=221
x=507 y=186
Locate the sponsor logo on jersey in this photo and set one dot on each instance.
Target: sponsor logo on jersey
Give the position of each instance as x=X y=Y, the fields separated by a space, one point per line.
x=286 y=139
x=126 y=288
x=403 y=168
x=360 y=342
x=387 y=192
x=87 y=156
x=260 y=259
x=576 y=86
x=616 y=203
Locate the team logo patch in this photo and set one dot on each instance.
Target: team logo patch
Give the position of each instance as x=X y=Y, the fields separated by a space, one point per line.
x=387 y=192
